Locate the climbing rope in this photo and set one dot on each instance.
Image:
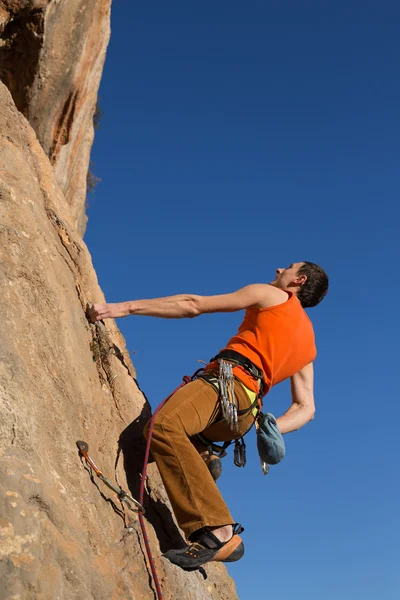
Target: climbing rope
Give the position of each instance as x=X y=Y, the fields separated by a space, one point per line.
x=186 y=380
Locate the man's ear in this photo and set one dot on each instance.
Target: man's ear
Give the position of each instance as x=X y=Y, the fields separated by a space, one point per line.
x=300 y=280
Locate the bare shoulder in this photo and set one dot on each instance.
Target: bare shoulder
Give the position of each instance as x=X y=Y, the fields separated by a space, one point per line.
x=268 y=295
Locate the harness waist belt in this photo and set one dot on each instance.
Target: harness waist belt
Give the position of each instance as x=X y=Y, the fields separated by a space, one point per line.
x=242 y=361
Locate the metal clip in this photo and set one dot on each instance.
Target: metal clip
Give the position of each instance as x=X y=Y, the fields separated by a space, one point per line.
x=227 y=394
x=264 y=467
x=239 y=453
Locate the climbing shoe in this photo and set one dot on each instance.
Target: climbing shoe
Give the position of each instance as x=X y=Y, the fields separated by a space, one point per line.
x=213 y=461
x=206 y=547
x=214 y=465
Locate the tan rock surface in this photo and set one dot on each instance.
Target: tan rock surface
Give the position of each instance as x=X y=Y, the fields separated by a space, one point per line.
x=63 y=536
x=51 y=59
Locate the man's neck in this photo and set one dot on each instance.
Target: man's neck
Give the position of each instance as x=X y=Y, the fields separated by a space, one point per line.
x=288 y=290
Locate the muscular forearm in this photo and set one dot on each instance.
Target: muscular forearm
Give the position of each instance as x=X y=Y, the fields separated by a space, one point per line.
x=294 y=418
x=171 y=307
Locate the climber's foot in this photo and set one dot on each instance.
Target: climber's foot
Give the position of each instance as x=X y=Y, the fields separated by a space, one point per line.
x=213 y=463
x=206 y=547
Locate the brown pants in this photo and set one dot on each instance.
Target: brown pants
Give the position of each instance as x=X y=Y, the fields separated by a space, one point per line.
x=193 y=493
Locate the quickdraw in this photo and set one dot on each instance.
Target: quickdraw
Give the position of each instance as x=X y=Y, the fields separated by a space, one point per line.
x=130 y=502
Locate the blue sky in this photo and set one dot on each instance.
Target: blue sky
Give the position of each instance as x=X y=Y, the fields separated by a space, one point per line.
x=237 y=138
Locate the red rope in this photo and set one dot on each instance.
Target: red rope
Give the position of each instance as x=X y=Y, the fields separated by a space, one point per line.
x=186 y=380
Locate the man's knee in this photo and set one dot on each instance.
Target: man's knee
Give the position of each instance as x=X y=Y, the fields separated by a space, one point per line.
x=164 y=427
x=158 y=427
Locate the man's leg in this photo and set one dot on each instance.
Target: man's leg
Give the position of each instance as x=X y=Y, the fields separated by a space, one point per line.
x=195 y=498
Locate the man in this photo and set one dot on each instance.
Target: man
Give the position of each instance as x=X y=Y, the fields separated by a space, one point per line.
x=274 y=342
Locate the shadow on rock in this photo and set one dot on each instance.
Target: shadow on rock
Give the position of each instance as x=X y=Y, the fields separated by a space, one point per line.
x=132 y=444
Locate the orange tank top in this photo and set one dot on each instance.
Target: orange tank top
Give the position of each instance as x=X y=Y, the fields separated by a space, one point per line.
x=279 y=340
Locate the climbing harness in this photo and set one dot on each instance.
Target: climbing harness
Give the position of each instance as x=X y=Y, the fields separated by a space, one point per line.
x=130 y=502
x=223 y=382
x=212 y=446
x=238 y=359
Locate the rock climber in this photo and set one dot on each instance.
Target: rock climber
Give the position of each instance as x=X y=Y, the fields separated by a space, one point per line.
x=274 y=342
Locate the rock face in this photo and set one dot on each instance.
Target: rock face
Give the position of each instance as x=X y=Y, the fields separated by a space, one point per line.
x=63 y=534
x=51 y=59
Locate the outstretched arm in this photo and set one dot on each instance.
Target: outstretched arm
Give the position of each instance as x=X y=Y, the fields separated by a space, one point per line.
x=188 y=305
x=303 y=407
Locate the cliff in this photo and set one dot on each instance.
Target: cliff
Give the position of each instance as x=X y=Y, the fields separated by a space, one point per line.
x=51 y=59
x=63 y=534
x=63 y=379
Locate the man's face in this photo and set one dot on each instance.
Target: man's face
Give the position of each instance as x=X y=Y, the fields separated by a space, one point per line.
x=286 y=277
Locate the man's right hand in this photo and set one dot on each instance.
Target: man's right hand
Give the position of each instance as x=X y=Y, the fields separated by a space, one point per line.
x=98 y=312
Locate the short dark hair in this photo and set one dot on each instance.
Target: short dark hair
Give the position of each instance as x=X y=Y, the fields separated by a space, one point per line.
x=316 y=286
